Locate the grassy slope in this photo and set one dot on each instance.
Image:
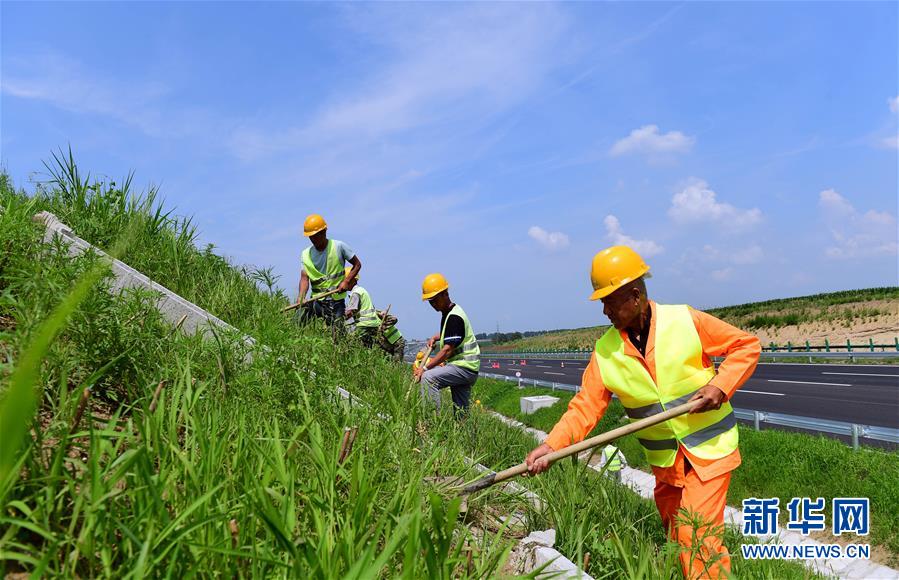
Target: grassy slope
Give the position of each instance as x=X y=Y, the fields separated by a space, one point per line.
x=840 y=308
x=235 y=472
x=775 y=463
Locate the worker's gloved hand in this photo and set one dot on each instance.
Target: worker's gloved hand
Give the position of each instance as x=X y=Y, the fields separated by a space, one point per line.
x=535 y=462
x=711 y=398
x=417 y=372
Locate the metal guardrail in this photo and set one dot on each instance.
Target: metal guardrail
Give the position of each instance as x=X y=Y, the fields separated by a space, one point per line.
x=773 y=347
x=854 y=430
x=796 y=354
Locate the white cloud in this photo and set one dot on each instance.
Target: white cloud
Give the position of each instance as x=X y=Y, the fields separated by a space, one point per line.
x=66 y=84
x=647 y=139
x=736 y=256
x=696 y=203
x=723 y=274
x=549 y=240
x=645 y=248
x=894 y=104
x=890 y=142
x=856 y=234
x=456 y=70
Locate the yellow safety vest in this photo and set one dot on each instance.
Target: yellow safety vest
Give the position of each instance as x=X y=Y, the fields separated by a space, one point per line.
x=468 y=354
x=329 y=279
x=679 y=373
x=367 y=316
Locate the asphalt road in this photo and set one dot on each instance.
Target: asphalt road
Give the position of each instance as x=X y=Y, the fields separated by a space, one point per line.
x=865 y=394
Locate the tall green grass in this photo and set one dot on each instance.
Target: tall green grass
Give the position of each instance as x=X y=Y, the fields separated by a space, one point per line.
x=158 y=454
x=621 y=531
x=183 y=459
x=775 y=463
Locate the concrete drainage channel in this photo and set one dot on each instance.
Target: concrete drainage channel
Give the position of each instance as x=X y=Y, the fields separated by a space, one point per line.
x=533 y=552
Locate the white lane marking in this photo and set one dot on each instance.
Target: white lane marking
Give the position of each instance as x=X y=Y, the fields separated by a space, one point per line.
x=560 y=374
x=861 y=374
x=544 y=367
x=761 y=393
x=810 y=383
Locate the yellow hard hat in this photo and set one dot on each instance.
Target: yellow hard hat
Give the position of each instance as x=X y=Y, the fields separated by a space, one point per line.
x=314 y=223
x=433 y=285
x=347 y=271
x=613 y=268
x=420 y=355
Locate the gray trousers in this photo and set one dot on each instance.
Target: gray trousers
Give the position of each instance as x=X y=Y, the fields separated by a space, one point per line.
x=459 y=381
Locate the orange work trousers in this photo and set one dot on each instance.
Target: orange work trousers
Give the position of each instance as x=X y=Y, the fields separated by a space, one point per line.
x=706 y=499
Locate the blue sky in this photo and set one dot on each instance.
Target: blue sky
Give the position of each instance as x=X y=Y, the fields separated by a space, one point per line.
x=748 y=150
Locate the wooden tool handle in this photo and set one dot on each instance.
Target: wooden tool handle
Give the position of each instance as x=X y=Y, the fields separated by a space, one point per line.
x=584 y=445
x=313 y=299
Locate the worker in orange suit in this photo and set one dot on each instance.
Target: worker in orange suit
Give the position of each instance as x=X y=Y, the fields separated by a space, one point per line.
x=655 y=357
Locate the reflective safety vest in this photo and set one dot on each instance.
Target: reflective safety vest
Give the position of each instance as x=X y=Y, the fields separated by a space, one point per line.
x=679 y=373
x=615 y=463
x=392 y=334
x=366 y=316
x=467 y=354
x=331 y=277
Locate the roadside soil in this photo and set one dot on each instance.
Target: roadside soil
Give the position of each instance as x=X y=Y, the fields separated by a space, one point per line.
x=882 y=329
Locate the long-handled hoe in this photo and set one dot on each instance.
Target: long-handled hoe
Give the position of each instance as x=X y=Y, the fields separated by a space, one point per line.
x=607 y=437
x=310 y=301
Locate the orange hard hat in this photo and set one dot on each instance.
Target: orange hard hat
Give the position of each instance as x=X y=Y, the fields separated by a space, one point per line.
x=433 y=285
x=314 y=223
x=613 y=268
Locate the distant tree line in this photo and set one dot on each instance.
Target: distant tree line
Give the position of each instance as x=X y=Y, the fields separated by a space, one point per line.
x=502 y=337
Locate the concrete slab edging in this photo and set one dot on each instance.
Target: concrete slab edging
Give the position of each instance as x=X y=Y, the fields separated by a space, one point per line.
x=195 y=319
x=172 y=306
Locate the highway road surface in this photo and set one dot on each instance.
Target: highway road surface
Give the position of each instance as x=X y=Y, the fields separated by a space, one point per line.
x=864 y=394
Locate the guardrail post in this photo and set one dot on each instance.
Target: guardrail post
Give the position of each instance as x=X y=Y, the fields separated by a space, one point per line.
x=756 y=419
x=855 y=436
x=848 y=346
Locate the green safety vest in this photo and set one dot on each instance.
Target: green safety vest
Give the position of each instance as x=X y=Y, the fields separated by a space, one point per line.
x=366 y=316
x=392 y=334
x=680 y=373
x=331 y=277
x=607 y=452
x=467 y=354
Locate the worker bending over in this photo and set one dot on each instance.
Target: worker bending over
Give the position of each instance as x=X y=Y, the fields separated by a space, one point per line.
x=371 y=325
x=456 y=345
x=654 y=358
x=359 y=308
x=323 y=269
